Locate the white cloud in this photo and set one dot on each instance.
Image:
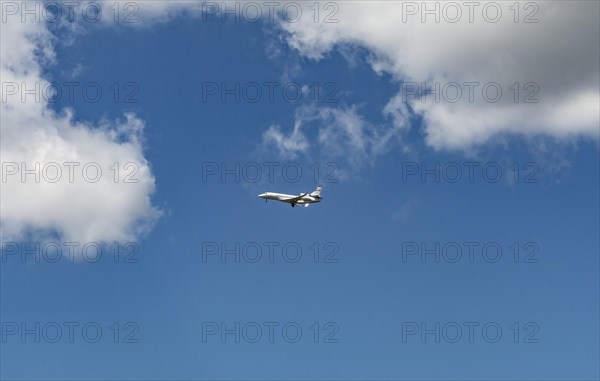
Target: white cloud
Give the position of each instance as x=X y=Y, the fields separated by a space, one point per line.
x=288 y=146
x=106 y=210
x=340 y=134
x=560 y=54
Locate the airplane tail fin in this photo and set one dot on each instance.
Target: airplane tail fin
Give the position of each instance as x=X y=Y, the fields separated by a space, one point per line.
x=317 y=192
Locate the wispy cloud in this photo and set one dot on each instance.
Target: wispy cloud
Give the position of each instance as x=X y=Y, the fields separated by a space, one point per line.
x=338 y=134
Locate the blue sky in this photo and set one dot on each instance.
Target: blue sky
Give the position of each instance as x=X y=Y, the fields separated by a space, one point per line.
x=371 y=292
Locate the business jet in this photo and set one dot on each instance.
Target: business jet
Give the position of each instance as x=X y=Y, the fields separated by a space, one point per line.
x=304 y=199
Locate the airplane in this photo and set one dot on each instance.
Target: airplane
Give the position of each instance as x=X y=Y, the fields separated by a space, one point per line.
x=304 y=199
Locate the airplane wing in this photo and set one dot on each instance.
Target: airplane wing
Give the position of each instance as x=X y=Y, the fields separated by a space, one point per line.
x=294 y=199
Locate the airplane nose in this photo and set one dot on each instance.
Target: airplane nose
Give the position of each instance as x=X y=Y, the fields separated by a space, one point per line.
x=262 y=195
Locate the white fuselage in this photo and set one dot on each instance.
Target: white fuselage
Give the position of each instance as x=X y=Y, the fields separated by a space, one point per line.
x=306 y=199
